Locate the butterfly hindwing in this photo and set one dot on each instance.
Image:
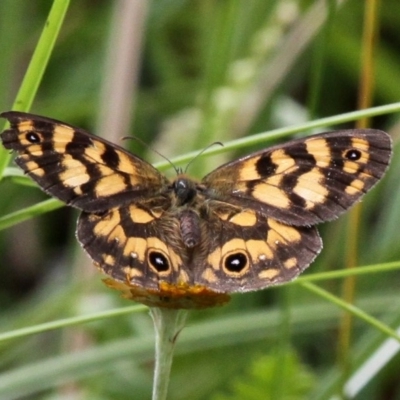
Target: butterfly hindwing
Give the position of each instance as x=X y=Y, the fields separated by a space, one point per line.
x=305 y=181
x=248 y=251
x=241 y=251
x=76 y=167
x=130 y=244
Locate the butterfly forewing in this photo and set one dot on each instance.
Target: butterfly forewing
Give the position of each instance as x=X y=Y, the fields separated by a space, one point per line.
x=76 y=167
x=305 y=181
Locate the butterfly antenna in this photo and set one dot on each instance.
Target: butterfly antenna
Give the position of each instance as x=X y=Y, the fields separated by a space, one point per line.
x=200 y=153
x=143 y=143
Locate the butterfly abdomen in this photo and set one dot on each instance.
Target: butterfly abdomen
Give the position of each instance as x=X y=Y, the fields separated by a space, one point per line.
x=190 y=228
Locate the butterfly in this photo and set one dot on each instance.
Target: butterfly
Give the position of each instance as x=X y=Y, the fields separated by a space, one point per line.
x=247 y=225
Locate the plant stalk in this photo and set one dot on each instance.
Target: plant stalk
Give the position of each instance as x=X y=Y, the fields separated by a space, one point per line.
x=168 y=323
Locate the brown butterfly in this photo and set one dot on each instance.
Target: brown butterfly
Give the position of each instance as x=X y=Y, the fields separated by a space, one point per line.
x=245 y=226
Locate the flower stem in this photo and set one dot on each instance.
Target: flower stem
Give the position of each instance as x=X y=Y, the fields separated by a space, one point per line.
x=168 y=323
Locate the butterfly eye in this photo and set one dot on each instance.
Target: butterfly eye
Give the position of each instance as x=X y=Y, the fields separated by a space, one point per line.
x=158 y=261
x=353 y=155
x=235 y=263
x=32 y=137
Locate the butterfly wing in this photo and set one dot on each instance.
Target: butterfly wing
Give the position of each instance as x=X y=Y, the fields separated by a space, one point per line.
x=76 y=167
x=134 y=244
x=248 y=251
x=244 y=251
x=305 y=181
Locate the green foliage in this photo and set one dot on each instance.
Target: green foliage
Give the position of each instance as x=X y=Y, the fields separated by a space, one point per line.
x=261 y=379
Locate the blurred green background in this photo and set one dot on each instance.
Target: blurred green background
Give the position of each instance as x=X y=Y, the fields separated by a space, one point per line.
x=181 y=74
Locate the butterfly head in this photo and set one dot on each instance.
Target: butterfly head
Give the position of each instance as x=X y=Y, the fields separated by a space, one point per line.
x=184 y=189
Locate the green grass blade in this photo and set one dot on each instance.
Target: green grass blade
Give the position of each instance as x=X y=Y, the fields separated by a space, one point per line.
x=16 y=217
x=37 y=66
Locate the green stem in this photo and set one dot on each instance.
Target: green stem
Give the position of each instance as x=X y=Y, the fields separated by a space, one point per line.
x=168 y=324
x=355 y=311
x=37 y=66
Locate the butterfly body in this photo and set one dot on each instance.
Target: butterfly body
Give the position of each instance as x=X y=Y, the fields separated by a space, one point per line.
x=186 y=243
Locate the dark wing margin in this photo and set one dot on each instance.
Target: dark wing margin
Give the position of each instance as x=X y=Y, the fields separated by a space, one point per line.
x=81 y=169
x=305 y=181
